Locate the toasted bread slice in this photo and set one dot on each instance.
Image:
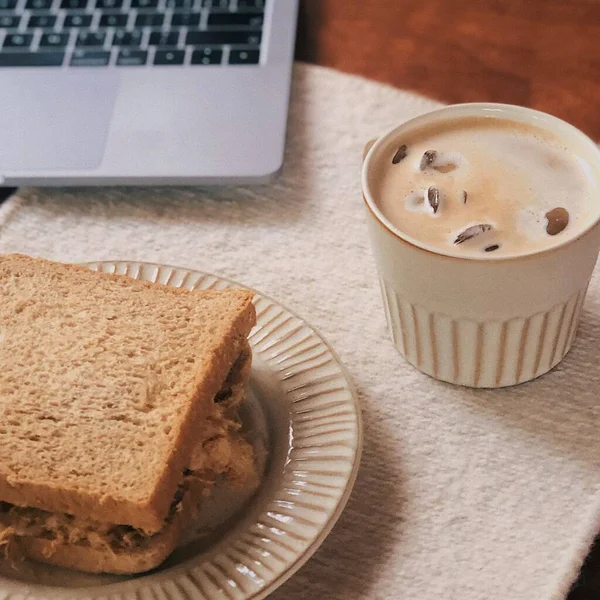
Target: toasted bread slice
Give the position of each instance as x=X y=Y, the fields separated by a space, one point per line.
x=96 y=548
x=221 y=456
x=100 y=557
x=103 y=379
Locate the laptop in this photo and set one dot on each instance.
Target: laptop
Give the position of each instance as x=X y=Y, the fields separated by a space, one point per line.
x=144 y=92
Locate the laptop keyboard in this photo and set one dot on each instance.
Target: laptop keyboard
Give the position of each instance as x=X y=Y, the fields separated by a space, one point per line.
x=130 y=33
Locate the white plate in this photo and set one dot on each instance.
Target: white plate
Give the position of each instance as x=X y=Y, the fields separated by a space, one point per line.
x=302 y=407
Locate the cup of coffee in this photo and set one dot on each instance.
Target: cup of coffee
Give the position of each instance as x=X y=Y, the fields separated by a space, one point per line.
x=484 y=221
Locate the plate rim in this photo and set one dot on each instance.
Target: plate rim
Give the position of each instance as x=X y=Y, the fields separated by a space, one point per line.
x=124 y=588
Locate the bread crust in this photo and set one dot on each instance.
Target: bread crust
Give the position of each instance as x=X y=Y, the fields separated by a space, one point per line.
x=150 y=512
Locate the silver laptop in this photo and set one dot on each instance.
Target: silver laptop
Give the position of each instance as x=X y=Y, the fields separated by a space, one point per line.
x=140 y=92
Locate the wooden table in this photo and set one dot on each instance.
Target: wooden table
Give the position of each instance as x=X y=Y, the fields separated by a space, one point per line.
x=539 y=53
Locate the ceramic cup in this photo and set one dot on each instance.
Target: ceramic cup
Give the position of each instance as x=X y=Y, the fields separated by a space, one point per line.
x=489 y=321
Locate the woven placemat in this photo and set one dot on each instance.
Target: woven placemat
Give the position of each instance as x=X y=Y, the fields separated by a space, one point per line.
x=462 y=494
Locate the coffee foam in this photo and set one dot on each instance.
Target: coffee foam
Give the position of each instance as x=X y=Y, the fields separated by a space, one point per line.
x=510 y=173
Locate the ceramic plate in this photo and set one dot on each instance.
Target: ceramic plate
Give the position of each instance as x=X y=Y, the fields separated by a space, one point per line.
x=301 y=409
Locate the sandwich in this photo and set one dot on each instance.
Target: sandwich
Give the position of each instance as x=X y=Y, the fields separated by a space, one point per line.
x=118 y=412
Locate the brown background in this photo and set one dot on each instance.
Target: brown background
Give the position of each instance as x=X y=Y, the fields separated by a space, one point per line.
x=539 y=53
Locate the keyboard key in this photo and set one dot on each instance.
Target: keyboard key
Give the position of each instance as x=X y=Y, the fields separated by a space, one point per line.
x=215 y=3
x=176 y=4
x=248 y=19
x=185 y=19
x=244 y=57
x=41 y=21
x=113 y=20
x=109 y=4
x=242 y=4
x=77 y=21
x=149 y=20
x=38 y=4
x=9 y=22
x=131 y=58
x=31 y=59
x=127 y=38
x=74 y=4
x=169 y=57
x=87 y=38
x=216 y=38
x=54 y=40
x=18 y=40
x=207 y=56
x=8 y=4
x=144 y=4
x=90 y=58
x=160 y=38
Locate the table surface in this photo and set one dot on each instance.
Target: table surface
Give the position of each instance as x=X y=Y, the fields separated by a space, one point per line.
x=539 y=53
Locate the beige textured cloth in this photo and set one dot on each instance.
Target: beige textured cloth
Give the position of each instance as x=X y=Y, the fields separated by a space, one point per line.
x=462 y=494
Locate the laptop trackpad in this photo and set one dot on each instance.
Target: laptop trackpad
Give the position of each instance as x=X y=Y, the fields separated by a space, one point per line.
x=55 y=119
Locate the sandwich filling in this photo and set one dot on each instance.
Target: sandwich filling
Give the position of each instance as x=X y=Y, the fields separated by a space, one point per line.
x=221 y=453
